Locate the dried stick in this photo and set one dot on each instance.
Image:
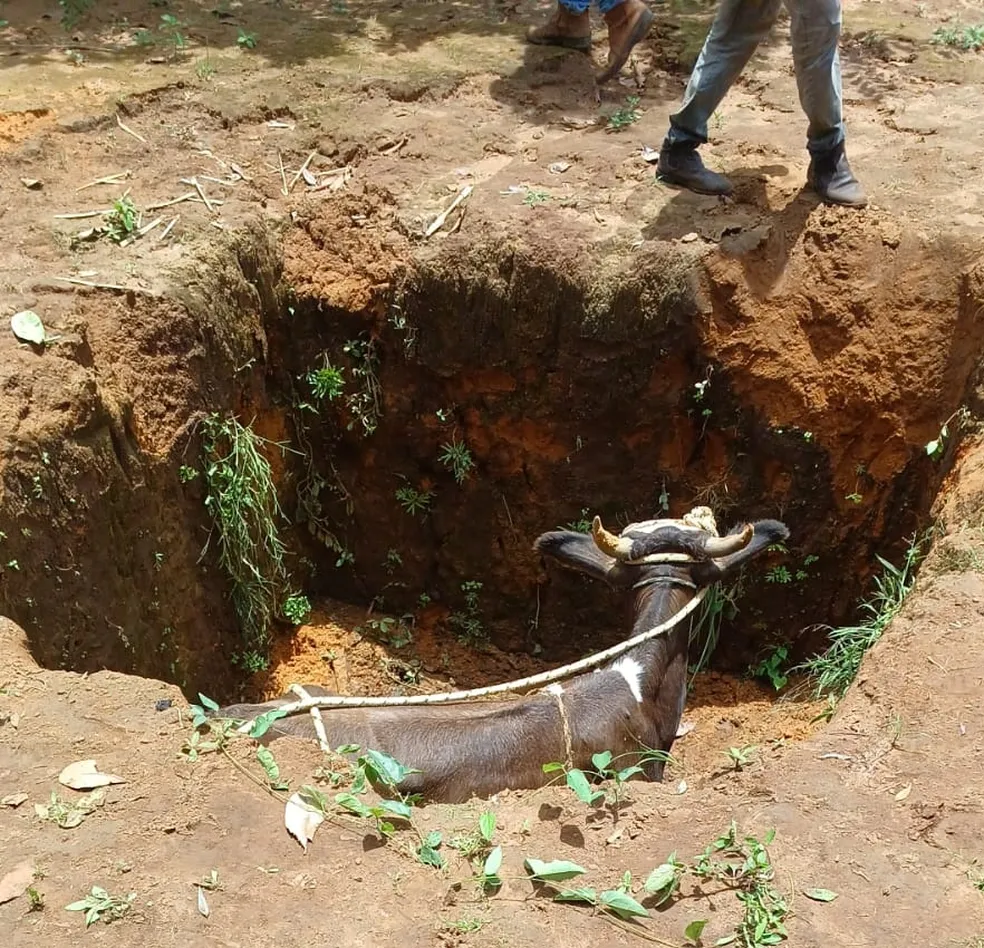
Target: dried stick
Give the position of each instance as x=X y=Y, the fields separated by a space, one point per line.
x=303 y=168
x=109 y=179
x=129 y=130
x=441 y=218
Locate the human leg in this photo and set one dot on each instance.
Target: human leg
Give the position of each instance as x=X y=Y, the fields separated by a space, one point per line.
x=569 y=26
x=815 y=30
x=628 y=23
x=737 y=30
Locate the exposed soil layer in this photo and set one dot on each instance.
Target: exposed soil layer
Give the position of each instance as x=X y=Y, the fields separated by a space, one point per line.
x=599 y=343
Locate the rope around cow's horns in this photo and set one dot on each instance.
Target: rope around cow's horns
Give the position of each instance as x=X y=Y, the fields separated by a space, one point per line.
x=522 y=684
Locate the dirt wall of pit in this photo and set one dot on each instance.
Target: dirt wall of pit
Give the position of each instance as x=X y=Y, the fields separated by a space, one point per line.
x=644 y=379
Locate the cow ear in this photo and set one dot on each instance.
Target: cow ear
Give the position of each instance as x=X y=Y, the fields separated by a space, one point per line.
x=765 y=533
x=578 y=551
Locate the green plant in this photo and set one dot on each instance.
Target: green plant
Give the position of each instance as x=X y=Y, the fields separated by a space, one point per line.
x=204 y=69
x=478 y=842
x=720 y=602
x=779 y=574
x=397 y=633
x=937 y=446
x=456 y=457
x=414 y=501
x=833 y=670
x=296 y=609
x=854 y=498
x=143 y=38
x=187 y=474
x=961 y=37
x=242 y=501
x=122 y=219
x=743 y=866
x=583 y=525
x=553 y=874
x=326 y=382
x=468 y=622
x=625 y=116
x=172 y=29
x=69 y=813
x=35 y=899
x=770 y=668
x=73 y=11
x=617 y=777
x=246 y=40
x=535 y=196
x=365 y=402
x=100 y=905
x=209 y=734
x=392 y=562
x=741 y=757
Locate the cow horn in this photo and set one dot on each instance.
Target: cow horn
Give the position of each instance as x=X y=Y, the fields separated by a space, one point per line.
x=725 y=546
x=617 y=547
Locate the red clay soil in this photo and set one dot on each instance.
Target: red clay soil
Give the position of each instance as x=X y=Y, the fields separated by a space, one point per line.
x=844 y=340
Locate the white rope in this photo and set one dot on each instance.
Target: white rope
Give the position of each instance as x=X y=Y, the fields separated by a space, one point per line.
x=522 y=684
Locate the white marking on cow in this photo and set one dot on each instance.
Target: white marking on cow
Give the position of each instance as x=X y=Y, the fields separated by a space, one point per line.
x=556 y=688
x=631 y=671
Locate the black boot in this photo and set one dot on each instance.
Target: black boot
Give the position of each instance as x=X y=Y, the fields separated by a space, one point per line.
x=831 y=177
x=680 y=164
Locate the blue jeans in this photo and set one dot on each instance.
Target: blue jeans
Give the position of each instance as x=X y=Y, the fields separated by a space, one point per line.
x=738 y=28
x=582 y=6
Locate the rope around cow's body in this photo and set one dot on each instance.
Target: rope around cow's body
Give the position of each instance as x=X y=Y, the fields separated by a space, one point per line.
x=453 y=697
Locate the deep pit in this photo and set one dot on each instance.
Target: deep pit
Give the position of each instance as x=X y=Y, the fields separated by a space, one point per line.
x=560 y=388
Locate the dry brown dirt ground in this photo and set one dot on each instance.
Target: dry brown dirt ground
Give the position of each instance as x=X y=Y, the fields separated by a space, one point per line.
x=881 y=805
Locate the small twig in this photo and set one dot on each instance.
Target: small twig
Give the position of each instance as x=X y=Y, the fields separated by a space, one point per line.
x=302 y=169
x=142 y=232
x=441 y=218
x=167 y=230
x=178 y=200
x=109 y=179
x=194 y=183
x=283 y=174
x=101 y=286
x=225 y=182
x=129 y=130
x=81 y=215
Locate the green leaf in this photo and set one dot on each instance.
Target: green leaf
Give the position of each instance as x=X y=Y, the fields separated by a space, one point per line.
x=622 y=904
x=269 y=765
x=207 y=702
x=585 y=894
x=820 y=895
x=263 y=723
x=430 y=856
x=555 y=871
x=348 y=749
x=694 y=930
x=552 y=767
x=353 y=804
x=387 y=770
x=433 y=839
x=628 y=772
x=493 y=862
x=726 y=940
x=400 y=809
x=77 y=906
x=663 y=879
x=486 y=825
x=579 y=784
x=601 y=760
x=769 y=837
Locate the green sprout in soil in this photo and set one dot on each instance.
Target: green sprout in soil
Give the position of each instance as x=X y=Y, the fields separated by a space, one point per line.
x=625 y=116
x=959 y=37
x=833 y=670
x=326 y=382
x=99 y=905
x=296 y=609
x=414 y=501
x=122 y=220
x=246 y=40
x=456 y=457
